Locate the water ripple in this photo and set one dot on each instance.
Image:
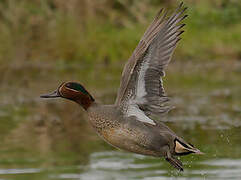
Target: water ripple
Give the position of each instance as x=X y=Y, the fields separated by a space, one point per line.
x=19 y=171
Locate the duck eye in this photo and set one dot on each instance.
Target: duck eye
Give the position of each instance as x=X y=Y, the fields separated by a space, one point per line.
x=69 y=85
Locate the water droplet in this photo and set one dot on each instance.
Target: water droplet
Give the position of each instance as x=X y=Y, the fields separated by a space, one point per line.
x=227 y=139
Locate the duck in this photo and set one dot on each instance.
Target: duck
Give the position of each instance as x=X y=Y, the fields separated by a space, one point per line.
x=130 y=124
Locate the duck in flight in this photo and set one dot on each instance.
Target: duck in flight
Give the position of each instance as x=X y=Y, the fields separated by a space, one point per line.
x=128 y=123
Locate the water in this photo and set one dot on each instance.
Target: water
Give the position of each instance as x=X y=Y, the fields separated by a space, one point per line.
x=50 y=140
x=97 y=160
x=107 y=165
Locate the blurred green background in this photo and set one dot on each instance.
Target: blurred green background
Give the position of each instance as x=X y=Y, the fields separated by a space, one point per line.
x=46 y=42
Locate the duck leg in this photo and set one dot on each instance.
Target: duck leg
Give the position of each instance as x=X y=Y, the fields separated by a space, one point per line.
x=173 y=161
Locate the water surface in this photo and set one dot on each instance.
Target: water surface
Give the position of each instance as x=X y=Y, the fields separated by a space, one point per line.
x=51 y=140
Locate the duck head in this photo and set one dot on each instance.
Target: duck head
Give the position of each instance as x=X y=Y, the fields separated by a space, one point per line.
x=72 y=91
x=183 y=148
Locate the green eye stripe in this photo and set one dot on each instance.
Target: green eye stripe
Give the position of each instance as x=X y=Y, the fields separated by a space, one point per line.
x=77 y=87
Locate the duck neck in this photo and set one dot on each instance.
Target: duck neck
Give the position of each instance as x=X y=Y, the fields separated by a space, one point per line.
x=85 y=100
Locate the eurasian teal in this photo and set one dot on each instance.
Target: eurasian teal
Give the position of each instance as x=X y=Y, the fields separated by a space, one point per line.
x=127 y=124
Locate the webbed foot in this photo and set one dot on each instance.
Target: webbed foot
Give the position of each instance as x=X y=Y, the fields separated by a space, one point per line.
x=175 y=163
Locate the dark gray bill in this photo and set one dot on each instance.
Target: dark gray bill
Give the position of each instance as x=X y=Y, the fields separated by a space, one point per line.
x=54 y=94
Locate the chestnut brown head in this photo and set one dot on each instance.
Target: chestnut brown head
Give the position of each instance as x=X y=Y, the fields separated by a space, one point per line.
x=72 y=91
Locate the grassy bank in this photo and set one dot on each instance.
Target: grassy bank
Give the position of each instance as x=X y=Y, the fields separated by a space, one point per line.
x=108 y=31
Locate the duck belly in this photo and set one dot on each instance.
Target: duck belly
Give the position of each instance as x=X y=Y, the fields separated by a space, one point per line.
x=130 y=140
x=125 y=133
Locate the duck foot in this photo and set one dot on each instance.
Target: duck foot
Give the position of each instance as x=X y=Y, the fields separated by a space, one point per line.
x=174 y=161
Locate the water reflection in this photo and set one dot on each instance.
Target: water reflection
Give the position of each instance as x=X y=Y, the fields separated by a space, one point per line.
x=19 y=171
x=129 y=166
x=117 y=165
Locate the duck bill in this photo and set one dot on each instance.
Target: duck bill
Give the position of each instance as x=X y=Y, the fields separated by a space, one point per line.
x=54 y=94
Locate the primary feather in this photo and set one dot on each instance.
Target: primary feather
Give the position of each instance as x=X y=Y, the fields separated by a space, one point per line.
x=141 y=91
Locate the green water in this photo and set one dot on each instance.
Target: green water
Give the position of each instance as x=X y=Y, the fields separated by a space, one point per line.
x=51 y=139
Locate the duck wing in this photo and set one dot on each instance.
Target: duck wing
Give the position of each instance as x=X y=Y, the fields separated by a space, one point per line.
x=141 y=90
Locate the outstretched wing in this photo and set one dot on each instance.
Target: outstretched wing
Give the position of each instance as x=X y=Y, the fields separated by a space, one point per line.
x=141 y=92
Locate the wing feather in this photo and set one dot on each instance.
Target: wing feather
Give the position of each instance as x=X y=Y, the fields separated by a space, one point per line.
x=141 y=87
